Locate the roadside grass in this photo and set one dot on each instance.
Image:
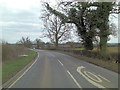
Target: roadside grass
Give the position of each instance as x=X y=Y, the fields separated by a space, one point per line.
x=110 y=65
x=12 y=67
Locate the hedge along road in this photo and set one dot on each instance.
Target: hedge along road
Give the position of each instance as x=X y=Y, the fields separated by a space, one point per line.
x=56 y=70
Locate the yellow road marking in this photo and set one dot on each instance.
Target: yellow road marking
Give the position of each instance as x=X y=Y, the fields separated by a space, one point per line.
x=24 y=73
x=97 y=78
x=74 y=79
x=104 y=78
x=89 y=80
x=60 y=62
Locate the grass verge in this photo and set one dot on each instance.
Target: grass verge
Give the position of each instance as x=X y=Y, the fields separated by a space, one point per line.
x=14 y=66
x=102 y=63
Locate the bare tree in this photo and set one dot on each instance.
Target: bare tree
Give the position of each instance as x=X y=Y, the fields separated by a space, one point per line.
x=39 y=43
x=55 y=29
x=25 y=41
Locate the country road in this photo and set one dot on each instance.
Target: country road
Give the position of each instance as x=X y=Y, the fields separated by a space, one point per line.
x=56 y=70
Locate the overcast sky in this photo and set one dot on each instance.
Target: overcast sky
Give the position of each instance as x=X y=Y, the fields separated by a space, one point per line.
x=21 y=18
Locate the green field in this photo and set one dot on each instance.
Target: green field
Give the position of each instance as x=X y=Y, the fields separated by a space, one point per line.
x=11 y=68
x=112 y=49
x=77 y=49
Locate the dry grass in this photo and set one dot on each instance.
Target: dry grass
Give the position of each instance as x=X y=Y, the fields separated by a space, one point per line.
x=12 y=52
x=112 y=49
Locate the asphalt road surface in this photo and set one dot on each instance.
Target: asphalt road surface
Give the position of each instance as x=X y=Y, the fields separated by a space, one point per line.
x=56 y=70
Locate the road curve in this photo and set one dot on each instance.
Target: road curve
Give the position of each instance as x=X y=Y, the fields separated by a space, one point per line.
x=56 y=70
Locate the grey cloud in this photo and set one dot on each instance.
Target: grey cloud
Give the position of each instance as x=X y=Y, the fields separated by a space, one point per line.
x=18 y=15
x=15 y=21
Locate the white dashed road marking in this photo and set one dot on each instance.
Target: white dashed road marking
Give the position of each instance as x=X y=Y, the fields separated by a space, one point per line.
x=60 y=62
x=74 y=79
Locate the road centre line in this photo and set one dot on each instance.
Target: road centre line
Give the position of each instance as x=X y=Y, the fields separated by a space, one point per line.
x=60 y=62
x=74 y=79
x=24 y=72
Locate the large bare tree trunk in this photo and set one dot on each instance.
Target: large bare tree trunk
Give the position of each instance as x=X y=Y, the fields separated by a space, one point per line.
x=56 y=41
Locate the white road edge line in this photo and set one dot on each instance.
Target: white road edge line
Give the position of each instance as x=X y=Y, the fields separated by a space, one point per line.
x=104 y=78
x=60 y=62
x=74 y=79
x=24 y=73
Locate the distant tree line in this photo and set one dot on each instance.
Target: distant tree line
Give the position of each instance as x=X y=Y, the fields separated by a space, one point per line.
x=27 y=42
x=39 y=44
